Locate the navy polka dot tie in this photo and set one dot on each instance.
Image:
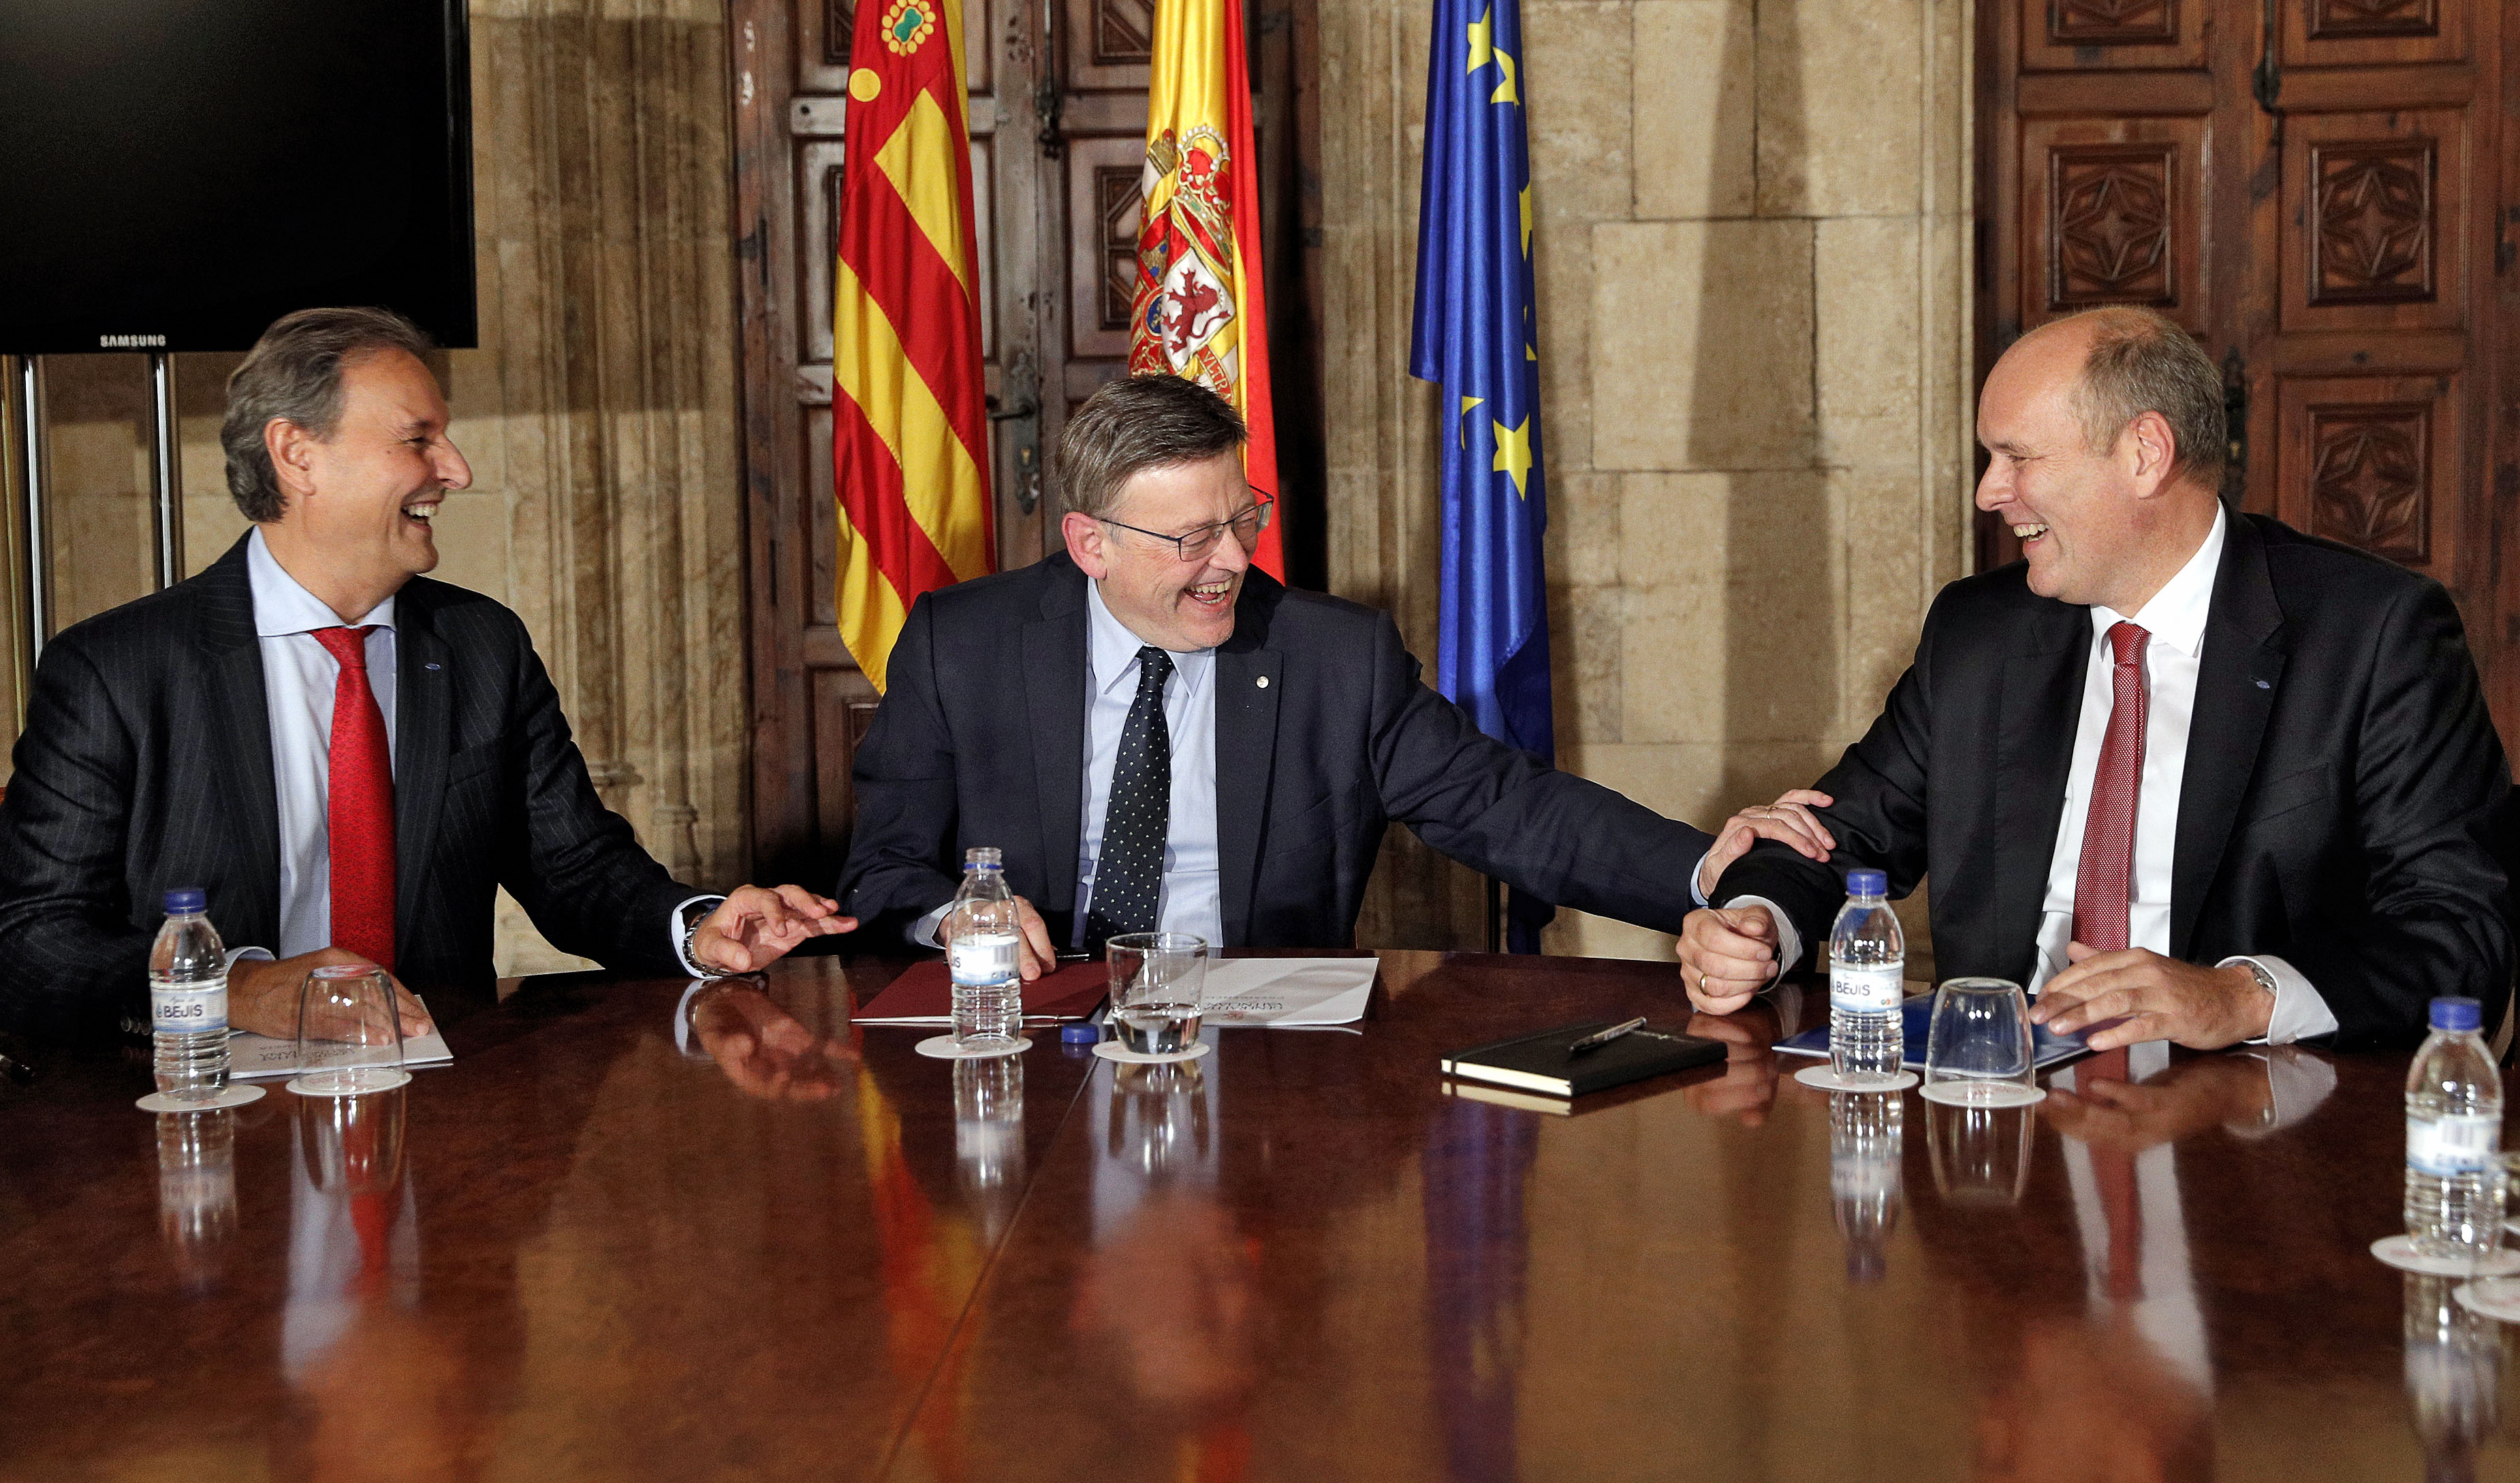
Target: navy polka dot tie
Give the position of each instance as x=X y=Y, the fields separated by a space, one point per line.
x=1129 y=873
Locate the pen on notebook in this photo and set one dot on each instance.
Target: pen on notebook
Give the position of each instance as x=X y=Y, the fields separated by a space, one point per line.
x=1600 y=1038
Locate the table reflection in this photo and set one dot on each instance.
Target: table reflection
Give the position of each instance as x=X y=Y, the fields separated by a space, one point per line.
x=197 y=1193
x=1476 y=1168
x=1866 y=1132
x=764 y=1051
x=2454 y=1365
x=1170 y=1283
x=2094 y=1399
x=1747 y=1089
x=989 y=1135
x=1981 y=1156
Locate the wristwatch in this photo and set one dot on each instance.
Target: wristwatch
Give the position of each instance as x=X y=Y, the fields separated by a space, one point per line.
x=693 y=915
x=2265 y=976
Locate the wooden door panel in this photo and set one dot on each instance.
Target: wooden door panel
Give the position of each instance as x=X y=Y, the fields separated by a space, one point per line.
x=1104 y=176
x=2088 y=35
x=2110 y=215
x=2373 y=232
x=2375 y=462
x=1110 y=43
x=2373 y=32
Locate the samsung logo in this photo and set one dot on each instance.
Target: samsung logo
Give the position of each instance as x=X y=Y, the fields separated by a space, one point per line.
x=129 y=342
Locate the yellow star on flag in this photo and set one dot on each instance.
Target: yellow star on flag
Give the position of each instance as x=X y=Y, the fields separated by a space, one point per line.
x=1467 y=403
x=1483 y=50
x=1513 y=454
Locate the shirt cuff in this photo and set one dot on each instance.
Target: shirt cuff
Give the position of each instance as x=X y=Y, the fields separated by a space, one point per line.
x=2299 y=1013
x=259 y=955
x=674 y=932
x=923 y=932
x=687 y=1043
x=1789 y=943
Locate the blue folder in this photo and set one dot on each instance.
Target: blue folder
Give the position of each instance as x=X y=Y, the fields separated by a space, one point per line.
x=2046 y=1049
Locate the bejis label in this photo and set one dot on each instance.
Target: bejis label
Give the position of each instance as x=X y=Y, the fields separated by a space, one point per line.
x=2458 y=1144
x=975 y=959
x=1864 y=988
x=189 y=1009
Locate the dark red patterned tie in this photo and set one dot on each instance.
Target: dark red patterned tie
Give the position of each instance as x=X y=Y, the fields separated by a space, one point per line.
x=359 y=809
x=2105 y=881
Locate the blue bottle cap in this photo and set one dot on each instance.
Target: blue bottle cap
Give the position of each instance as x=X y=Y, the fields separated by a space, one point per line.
x=1079 y=1032
x=1867 y=882
x=2451 y=1014
x=186 y=898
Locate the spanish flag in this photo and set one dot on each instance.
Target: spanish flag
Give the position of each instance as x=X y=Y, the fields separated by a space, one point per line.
x=909 y=434
x=1199 y=311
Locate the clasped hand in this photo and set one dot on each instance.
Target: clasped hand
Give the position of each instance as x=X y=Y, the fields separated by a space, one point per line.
x=755 y=926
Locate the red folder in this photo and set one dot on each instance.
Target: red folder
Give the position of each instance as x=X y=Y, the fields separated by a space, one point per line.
x=924 y=996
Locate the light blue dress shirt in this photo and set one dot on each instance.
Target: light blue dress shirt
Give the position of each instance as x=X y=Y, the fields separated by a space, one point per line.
x=299 y=678
x=1191 y=899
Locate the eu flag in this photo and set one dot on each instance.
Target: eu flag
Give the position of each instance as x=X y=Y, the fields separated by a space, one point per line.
x=1476 y=337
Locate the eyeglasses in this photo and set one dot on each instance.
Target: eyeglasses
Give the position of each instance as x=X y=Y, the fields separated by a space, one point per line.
x=1195 y=545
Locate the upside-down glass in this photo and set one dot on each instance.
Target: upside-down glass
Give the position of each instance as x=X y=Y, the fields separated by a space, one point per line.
x=1977 y=1046
x=1158 y=980
x=349 y=1037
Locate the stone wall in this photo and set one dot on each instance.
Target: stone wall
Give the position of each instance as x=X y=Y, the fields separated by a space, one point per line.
x=1752 y=251
x=598 y=415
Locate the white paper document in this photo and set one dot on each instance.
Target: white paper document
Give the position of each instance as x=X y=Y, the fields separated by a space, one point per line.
x=1288 y=993
x=261 y=1057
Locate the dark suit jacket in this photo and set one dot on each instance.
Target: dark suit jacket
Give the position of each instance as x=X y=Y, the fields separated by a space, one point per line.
x=2342 y=807
x=147 y=764
x=1324 y=735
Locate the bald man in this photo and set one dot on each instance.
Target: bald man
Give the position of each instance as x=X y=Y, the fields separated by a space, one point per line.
x=2196 y=775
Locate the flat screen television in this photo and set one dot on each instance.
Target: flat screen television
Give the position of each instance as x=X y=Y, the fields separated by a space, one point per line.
x=176 y=174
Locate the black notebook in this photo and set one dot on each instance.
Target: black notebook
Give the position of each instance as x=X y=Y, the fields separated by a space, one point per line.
x=1543 y=1062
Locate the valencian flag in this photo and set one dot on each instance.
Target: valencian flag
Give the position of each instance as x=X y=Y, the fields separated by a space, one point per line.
x=1199 y=311
x=1476 y=335
x=909 y=434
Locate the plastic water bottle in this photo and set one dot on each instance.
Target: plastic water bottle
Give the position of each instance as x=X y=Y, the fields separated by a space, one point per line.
x=1868 y=966
x=981 y=932
x=2454 y=1138
x=188 y=1000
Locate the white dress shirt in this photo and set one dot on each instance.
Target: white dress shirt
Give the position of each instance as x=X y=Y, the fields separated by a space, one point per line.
x=2174 y=620
x=299 y=678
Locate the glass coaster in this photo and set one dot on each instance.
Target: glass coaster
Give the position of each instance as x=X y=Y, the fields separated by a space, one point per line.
x=942 y=1048
x=1829 y=1080
x=1110 y=1050
x=2398 y=1251
x=313 y=1084
x=1983 y=1094
x=235 y=1096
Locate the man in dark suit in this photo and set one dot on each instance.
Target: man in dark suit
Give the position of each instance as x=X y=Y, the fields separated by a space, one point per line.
x=348 y=757
x=1157 y=736
x=2191 y=768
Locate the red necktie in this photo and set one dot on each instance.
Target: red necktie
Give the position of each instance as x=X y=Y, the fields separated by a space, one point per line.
x=2105 y=881
x=359 y=808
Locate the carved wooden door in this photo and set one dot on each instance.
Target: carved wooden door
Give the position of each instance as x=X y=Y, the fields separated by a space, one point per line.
x=2316 y=189
x=1058 y=124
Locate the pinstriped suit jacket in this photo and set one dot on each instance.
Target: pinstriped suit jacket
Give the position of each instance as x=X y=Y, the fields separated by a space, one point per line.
x=146 y=764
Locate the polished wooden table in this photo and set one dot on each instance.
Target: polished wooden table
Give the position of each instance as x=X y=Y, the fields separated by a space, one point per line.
x=768 y=1247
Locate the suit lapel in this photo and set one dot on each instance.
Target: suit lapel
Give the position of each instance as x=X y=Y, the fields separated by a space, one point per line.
x=2039 y=708
x=422 y=724
x=1247 y=689
x=1053 y=651
x=2236 y=678
x=240 y=744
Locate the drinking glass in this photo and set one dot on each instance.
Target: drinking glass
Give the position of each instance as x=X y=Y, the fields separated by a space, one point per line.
x=1977 y=1046
x=1157 y=979
x=349 y=1038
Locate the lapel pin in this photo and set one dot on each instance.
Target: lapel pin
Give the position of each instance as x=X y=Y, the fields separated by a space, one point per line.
x=2265 y=685
x=432 y=666
x=1262 y=682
